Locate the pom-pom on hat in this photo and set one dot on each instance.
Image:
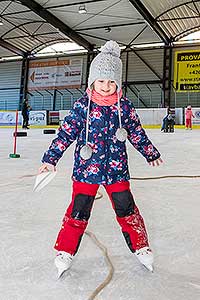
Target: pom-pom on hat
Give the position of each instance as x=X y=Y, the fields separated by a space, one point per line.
x=107 y=65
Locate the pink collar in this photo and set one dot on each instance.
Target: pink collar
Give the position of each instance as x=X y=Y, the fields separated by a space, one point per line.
x=101 y=100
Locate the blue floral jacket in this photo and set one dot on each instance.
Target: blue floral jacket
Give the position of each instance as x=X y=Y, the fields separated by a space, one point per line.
x=108 y=163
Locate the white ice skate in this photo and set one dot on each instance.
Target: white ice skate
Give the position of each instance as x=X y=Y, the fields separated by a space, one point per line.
x=63 y=262
x=145 y=256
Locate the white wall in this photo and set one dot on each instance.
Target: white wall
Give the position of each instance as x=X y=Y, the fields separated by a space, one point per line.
x=151 y=116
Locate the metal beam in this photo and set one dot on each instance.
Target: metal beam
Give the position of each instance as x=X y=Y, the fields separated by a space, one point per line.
x=178 y=18
x=197 y=9
x=137 y=35
x=102 y=39
x=126 y=74
x=24 y=80
x=11 y=48
x=167 y=73
x=112 y=26
x=185 y=33
x=146 y=63
x=141 y=82
x=94 y=36
x=139 y=98
x=174 y=7
x=150 y=19
x=53 y=20
x=72 y=4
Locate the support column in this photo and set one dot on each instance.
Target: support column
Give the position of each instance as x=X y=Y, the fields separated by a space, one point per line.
x=126 y=74
x=90 y=57
x=24 y=80
x=54 y=99
x=166 y=86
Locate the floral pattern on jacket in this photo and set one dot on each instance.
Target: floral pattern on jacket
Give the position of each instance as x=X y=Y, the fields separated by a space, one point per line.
x=108 y=163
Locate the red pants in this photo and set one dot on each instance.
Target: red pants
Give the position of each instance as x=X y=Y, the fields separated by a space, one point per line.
x=188 y=123
x=77 y=215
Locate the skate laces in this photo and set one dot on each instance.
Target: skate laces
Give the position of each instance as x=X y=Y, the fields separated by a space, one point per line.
x=143 y=251
x=64 y=256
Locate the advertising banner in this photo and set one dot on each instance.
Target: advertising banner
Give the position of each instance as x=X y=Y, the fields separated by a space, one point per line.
x=7 y=118
x=38 y=117
x=187 y=71
x=58 y=74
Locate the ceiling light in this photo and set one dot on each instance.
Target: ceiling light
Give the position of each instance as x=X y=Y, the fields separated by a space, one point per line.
x=82 y=9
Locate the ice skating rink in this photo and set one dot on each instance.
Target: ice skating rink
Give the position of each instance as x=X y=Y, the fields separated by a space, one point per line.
x=29 y=223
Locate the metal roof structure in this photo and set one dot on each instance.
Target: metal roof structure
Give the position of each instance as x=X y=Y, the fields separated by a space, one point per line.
x=30 y=25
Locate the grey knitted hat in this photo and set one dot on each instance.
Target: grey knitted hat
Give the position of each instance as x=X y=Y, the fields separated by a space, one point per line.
x=107 y=65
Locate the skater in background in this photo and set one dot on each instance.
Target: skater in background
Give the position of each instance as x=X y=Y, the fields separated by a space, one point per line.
x=168 y=122
x=25 y=114
x=188 y=117
x=101 y=122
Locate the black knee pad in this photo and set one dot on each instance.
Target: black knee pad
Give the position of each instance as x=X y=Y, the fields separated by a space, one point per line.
x=123 y=203
x=82 y=207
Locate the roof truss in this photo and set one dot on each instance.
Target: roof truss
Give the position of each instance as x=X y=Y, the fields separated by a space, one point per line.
x=11 y=48
x=50 y=18
x=150 y=20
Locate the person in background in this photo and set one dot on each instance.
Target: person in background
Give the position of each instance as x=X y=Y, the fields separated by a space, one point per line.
x=168 y=122
x=188 y=117
x=164 y=123
x=101 y=122
x=25 y=114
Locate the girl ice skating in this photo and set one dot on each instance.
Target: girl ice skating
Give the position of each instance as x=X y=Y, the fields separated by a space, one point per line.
x=101 y=122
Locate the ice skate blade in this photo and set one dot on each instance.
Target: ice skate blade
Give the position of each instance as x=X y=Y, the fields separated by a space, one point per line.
x=149 y=268
x=61 y=273
x=43 y=179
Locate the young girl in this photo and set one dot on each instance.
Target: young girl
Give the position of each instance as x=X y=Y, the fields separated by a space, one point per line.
x=101 y=122
x=188 y=117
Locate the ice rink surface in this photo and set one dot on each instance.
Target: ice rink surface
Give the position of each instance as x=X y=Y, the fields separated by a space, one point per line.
x=29 y=223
